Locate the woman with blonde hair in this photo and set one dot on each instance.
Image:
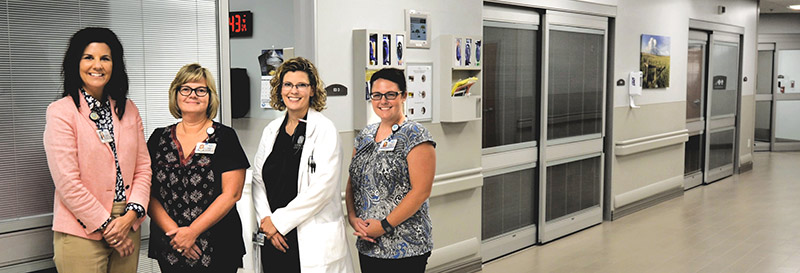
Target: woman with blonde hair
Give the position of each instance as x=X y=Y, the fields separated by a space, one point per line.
x=198 y=174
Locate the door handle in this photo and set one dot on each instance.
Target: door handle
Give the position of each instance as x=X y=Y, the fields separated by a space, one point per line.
x=697 y=101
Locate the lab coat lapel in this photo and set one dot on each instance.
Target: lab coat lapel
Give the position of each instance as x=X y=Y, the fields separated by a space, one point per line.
x=303 y=175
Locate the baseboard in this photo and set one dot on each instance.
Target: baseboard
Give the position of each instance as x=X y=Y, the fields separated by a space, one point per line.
x=646 y=203
x=746 y=167
x=463 y=266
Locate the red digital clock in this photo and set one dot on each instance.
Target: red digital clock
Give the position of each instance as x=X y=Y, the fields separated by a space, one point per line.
x=241 y=23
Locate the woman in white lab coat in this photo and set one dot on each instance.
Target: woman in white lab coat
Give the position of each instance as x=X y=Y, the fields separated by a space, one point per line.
x=296 y=178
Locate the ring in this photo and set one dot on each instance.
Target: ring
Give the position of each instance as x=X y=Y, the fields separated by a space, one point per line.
x=180 y=250
x=114 y=242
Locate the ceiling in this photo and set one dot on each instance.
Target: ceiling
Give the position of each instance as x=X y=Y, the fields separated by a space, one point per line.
x=778 y=6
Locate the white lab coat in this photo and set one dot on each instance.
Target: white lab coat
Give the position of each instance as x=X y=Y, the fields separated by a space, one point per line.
x=316 y=212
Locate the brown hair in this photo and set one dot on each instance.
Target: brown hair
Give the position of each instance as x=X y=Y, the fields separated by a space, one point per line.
x=317 y=102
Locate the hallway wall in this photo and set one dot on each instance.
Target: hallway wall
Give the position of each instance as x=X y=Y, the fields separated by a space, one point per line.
x=663 y=110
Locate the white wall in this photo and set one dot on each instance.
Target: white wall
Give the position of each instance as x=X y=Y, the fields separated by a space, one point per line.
x=458 y=144
x=671 y=18
x=334 y=37
x=273 y=22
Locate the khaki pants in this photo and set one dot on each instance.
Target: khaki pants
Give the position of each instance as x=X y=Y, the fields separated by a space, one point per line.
x=75 y=254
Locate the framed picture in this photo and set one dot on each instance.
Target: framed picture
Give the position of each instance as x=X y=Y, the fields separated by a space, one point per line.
x=654 y=61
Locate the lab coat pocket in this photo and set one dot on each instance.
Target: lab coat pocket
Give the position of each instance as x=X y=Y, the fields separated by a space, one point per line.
x=322 y=243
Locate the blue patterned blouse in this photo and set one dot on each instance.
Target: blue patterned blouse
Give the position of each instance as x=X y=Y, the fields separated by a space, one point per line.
x=380 y=181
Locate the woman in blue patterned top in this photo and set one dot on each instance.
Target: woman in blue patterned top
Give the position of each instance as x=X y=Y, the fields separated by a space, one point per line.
x=391 y=176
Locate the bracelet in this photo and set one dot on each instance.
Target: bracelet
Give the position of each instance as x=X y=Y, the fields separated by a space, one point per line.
x=386 y=226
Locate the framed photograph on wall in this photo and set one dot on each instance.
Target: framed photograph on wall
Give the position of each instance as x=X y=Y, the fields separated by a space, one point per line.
x=654 y=61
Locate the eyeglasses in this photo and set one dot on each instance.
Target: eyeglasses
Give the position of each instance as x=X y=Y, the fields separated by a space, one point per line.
x=201 y=91
x=300 y=86
x=391 y=95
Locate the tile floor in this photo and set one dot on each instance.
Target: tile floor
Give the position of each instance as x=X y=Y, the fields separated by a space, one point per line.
x=744 y=223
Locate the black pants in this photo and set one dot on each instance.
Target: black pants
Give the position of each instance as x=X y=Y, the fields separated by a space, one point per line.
x=167 y=268
x=406 y=265
x=273 y=260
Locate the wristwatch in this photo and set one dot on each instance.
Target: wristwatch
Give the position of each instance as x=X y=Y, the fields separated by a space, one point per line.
x=386 y=226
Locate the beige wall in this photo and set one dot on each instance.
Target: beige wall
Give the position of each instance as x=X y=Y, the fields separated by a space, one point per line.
x=636 y=171
x=663 y=110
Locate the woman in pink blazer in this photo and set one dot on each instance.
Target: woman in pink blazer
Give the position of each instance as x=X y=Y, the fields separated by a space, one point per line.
x=98 y=159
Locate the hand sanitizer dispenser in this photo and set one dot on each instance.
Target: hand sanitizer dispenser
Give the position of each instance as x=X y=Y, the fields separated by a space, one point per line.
x=635 y=86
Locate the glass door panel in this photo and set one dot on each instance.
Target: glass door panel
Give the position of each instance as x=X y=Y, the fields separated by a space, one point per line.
x=763 y=131
x=721 y=144
x=511 y=70
x=572 y=187
x=695 y=108
x=572 y=176
x=508 y=203
x=723 y=98
x=695 y=81
x=510 y=84
x=787 y=125
x=787 y=100
x=764 y=89
x=575 y=84
x=693 y=161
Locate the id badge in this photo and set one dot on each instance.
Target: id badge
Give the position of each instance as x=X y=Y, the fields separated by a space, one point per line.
x=387 y=145
x=205 y=148
x=105 y=136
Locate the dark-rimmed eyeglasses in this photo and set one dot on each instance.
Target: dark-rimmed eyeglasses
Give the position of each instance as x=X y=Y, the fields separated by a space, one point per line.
x=300 y=86
x=201 y=91
x=391 y=95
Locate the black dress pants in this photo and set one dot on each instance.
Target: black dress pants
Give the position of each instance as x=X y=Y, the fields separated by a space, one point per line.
x=406 y=265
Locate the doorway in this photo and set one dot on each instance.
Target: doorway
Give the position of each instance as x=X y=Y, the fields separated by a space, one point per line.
x=764 y=90
x=712 y=102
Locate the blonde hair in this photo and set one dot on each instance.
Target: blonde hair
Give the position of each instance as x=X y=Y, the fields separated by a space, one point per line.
x=317 y=102
x=190 y=73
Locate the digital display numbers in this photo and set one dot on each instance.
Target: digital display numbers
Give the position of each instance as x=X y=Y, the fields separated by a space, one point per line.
x=241 y=23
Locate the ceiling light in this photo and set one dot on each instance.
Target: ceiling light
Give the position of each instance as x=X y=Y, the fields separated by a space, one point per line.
x=795 y=7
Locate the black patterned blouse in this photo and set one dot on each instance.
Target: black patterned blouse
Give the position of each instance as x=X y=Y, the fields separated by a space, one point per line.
x=186 y=187
x=101 y=115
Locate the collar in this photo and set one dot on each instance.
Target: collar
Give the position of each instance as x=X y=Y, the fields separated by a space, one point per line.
x=312 y=118
x=93 y=103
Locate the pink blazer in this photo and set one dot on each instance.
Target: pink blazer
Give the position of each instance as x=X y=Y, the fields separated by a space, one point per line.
x=83 y=168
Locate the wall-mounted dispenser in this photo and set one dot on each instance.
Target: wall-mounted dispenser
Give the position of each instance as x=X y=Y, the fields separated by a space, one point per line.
x=635 y=86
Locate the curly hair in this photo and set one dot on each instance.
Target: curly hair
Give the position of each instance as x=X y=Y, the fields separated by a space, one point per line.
x=317 y=102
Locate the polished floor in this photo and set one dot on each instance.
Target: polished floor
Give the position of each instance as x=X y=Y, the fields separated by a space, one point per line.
x=744 y=223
